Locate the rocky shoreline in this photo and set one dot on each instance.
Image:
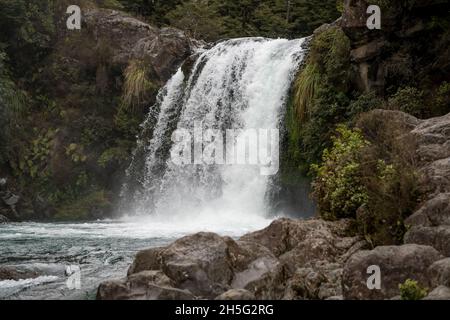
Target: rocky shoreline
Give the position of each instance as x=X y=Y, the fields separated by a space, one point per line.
x=309 y=259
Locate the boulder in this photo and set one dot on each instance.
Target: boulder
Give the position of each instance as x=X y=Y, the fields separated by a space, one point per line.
x=146 y=260
x=437 y=237
x=131 y=38
x=433 y=212
x=439 y=293
x=397 y=264
x=11 y=273
x=200 y=263
x=236 y=294
x=146 y=285
x=260 y=265
x=439 y=273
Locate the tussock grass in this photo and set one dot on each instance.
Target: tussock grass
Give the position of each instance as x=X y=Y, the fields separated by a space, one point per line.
x=137 y=84
x=306 y=86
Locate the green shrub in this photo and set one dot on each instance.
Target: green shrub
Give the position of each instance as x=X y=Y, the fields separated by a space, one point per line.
x=409 y=100
x=390 y=176
x=370 y=174
x=337 y=187
x=441 y=103
x=411 y=290
x=84 y=207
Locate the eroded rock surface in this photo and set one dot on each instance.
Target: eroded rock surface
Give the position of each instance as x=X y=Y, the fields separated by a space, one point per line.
x=268 y=264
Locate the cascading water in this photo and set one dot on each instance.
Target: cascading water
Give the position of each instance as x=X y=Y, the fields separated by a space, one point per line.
x=238 y=84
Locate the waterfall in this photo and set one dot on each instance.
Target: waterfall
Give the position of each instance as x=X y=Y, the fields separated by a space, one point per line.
x=237 y=84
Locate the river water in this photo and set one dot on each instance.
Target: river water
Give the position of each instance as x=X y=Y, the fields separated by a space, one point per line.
x=102 y=250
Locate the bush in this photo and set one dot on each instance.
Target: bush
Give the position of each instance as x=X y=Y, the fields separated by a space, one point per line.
x=411 y=290
x=409 y=100
x=441 y=103
x=389 y=174
x=370 y=174
x=338 y=188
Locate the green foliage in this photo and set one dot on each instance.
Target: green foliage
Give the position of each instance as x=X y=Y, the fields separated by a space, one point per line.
x=338 y=187
x=115 y=155
x=441 y=103
x=137 y=85
x=238 y=18
x=34 y=162
x=390 y=175
x=320 y=98
x=199 y=20
x=411 y=290
x=364 y=103
x=84 y=207
x=409 y=100
x=76 y=153
x=370 y=174
x=306 y=86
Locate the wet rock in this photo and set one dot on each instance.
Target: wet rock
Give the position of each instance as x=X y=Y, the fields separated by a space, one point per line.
x=11 y=273
x=3 y=219
x=146 y=285
x=146 y=260
x=263 y=264
x=397 y=264
x=236 y=294
x=199 y=263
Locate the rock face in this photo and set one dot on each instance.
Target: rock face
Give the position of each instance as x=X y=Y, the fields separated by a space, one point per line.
x=390 y=55
x=430 y=225
x=287 y=260
x=397 y=264
x=131 y=38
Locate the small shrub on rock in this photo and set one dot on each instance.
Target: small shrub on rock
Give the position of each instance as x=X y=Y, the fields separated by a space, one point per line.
x=411 y=290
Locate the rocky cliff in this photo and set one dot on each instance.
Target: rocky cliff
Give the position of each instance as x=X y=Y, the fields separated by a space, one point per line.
x=90 y=94
x=407 y=49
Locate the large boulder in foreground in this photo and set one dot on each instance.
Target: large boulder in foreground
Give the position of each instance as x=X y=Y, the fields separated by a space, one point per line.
x=260 y=265
x=397 y=264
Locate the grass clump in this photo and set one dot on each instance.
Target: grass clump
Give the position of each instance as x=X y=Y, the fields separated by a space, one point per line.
x=138 y=86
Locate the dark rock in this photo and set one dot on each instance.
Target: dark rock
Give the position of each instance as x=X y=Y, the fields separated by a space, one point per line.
x=397 y=264
x=261 y=265
x=3 y=219
x=11 y=273
x=146 y=260
x=146 y=285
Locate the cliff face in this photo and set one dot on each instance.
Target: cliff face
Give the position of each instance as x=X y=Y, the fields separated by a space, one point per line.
x=411 y=47
x=68 y=159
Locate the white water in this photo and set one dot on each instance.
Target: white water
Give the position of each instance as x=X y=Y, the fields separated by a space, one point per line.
x=238 y=84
